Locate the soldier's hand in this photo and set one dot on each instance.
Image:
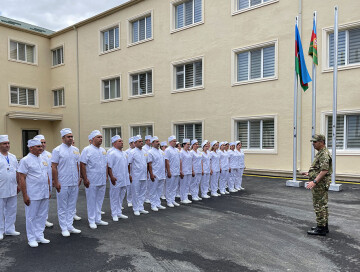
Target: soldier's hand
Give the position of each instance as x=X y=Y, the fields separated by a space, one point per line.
x=169 y=174
x=113 y=180
x=57 y=187
x=130 y=177
x=26 y=200
x=310 y=185
x=152 y=177
x=86 y=183
x=305 y=174
x=181 y=175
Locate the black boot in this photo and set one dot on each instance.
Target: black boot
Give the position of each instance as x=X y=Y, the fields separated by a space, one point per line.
x=326 y=228
x=318 y=231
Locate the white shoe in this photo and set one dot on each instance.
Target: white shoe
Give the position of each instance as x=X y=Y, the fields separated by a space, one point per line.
x=155 y=209
x=205 y=196
x=122 y=207
x=43 y=241
x=232 y=191
x=1 y=236
x=115 y=218
x=242 y=188
x=65 y=233
x=75 y=231
x=161 y=207
x=176 y=204
x=214 y=195
x=223 y=193
x=93 y=226
x=147 y=201
x=102 y=223
x=163 y=197
x=186 y=201
x=237 y=189
x=13 y=233
x=102 y=212
x=137 y=213
x=122 y=216
x=48 y=224
x=129 y=204
x=170 y=205
x=177 y=196
x=144 y=212
x=195 y=199
x=226 y=192
x=199 y=198
x=33 y=244
x=77 y=218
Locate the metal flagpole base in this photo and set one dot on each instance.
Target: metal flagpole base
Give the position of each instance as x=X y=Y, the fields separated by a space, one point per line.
x=294 y=183
x=335 y=187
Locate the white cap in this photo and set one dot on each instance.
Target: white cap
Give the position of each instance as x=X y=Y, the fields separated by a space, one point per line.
x=94 y=133
x=39 y=137
x=115 y=138
x=221 y=143
x=154 y=138
x=204 y=143
x=225 y=142
x=238 y=142
x=148 y=137
x=137 y=138
x=212 y=143
x=33 y=142
x=4 y=138
x=194 y=142
x=171 y=138
x=131 y=140
x=89 y=137
x=232 y=143
x=185 y=141
x=65 y=131
x=163 y=143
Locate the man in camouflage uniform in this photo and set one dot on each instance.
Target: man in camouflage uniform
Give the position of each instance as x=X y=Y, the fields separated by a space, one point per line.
x=320 y=178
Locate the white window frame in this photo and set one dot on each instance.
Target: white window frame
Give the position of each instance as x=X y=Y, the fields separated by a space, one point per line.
x=36 y=96
x=323 y=130
x=110 y=127
x=235 y=9
x=234 y=67
x=53 y=92
x=136 y=18
x=63 y=55
x=234 y=130
x=145 y=70
x=101 y=38
x=102 y=99
x=183 y=62
x=35 y=63
x=193 y=122
x=173 y=5
x=141 y=125
x=325 y=47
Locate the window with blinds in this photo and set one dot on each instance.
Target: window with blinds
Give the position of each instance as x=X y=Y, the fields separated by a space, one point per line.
x=109 y=133
x=188 y=13
x=347 y=132
x=141 y=29
x=110 y=39
x=243 y=4
x=256 y=134
x=22 y=52
x=22 y=96
x=111 y=88
x=59 y=97
x=348 y=47
x=188 y=75
x=189 y=131
x=142 y=130
x=256 y=64
x=57 y=56
x=141 y=83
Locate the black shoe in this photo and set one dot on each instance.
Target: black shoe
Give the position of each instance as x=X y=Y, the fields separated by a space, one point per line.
x=317 y=231
x=326 y=228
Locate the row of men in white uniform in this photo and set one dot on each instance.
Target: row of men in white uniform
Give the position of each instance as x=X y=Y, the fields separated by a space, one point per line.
x=137 y=171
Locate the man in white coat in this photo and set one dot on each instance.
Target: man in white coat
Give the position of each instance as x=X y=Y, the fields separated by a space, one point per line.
x=128 y=189
x=8 y=189
x=147 y=148
x=35 y=187
x=65 y=168
x=172 y=164
x=119 y=176
x=93 y=168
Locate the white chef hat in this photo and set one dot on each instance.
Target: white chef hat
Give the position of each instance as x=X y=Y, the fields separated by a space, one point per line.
x=65 y=131
x=33 y=142
x=137 y=138
x=204 y=143
x=115 y=138
x=212 y=143
x=39 y=137
x=131 y=140
x=154 y=138
x=148 y=137
x=4 y=138
x=221 y=143
x=185 y=141
x=171 y=138
x=194 y=142
x=163 y=143
x=225 y=143
x=238 y=142
x=94 y=133
x=232 y=143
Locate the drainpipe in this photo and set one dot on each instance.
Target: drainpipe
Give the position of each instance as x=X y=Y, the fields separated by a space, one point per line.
x=78 y=86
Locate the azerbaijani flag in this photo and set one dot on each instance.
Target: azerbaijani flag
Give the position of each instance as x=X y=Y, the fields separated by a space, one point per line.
x=300 y=66
x=313 y=45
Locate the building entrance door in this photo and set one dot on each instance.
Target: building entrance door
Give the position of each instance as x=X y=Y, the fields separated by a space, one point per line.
x=27 y=135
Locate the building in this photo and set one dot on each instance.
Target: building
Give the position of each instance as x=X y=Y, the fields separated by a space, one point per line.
x=197 y=68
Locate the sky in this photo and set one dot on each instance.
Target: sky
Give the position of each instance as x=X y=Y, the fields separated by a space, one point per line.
x=54 y=14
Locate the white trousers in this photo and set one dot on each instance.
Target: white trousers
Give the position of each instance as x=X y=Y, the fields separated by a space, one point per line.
x=117 y=195
x=148 y=188
x=128 y=194
x=194 y=185
x=205 y=183
x=66 y=205
x=232 y=178
x=138 y=194
x=94 y=200
x=172 y=185
x=214 y=182
x=156 y=191
x=239 y=177
x=36 y=214
x=164 y=189
x=224 y=176
x=8 y=208
x=184 y=187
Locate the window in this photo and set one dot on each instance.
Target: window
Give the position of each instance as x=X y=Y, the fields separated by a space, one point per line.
x=141 y=83
x=22 y=96
x=142 y=130
x=111 y=88
x=141 y=29
x=189 y=75
x=189 y=131
x=22 y=52
x=110 y=132
x=57 y=56
x=244 y=4
x=256 y=63
x=188 y=13
x=110 y=39
x=59 y=98
x=348 y=47
x=256 y=133
x=347 y=132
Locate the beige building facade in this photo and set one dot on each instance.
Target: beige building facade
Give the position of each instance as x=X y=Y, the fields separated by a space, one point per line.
x=200 y=69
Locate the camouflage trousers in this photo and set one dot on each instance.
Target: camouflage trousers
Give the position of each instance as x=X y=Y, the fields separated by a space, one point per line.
x=320 y=202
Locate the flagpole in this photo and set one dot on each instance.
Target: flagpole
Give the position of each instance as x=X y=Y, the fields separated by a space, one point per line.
x=313 y=127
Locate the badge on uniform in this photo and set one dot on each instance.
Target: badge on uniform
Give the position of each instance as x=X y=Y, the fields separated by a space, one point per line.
x=145 y=155
x=49 y=156
x=45 y=163
x=76 y=153
x=104 y=152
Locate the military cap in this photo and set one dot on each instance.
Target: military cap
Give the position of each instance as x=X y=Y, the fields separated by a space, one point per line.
x=318 y=138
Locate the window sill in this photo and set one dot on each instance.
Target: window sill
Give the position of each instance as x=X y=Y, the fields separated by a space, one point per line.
x=57 y=65
x=140 y=96
x=109 y=51
x=24 y=62
x=186 y=27
x=188 y=89
x=140 y=42
x=254 y=81
x=24 y=106
x=58 y=107
x=236 y=12
x=260 y=151
x=110 y=100
x=344 y=67
x=348 y=152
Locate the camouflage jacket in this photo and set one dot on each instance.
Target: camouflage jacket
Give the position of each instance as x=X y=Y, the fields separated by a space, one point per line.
x=322 y=161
